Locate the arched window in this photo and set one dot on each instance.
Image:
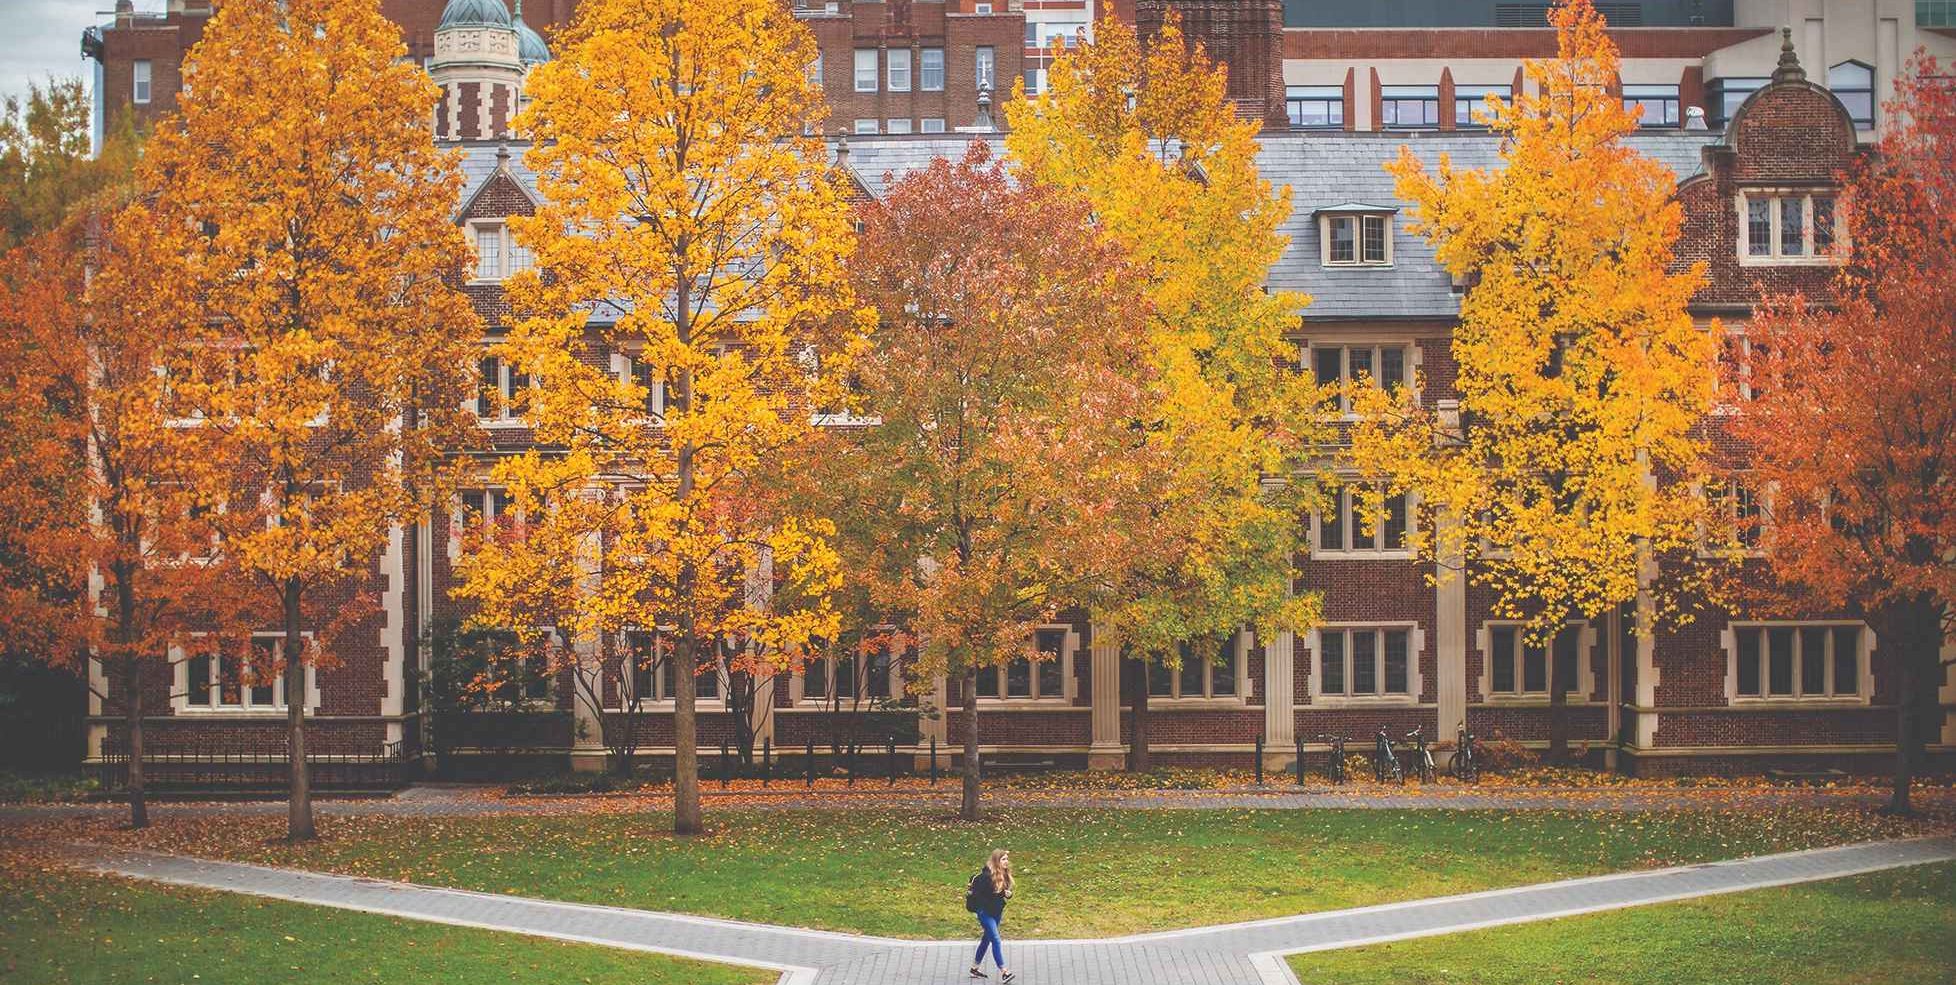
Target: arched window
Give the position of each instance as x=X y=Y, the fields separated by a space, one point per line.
x=1853 y=82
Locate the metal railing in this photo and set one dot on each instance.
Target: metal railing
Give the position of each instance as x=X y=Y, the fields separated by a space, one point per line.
x=236 y=764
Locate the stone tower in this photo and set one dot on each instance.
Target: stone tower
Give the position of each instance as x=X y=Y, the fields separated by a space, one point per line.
x=1246 y=35
x=478 y=64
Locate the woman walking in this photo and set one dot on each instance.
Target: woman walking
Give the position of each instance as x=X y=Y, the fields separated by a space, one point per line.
x=986 y=897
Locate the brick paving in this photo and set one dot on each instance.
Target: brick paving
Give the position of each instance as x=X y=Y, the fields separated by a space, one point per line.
x=1230 y=954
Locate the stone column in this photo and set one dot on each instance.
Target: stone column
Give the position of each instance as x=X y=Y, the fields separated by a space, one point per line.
x=588 y=751
x=1280 y=702
x=1106 y=751
x=1449 y=615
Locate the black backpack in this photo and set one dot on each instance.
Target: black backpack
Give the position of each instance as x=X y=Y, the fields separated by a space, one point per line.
x=971 y=892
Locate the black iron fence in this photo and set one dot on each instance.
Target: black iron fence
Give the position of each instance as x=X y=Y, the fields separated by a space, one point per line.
x=229 y=764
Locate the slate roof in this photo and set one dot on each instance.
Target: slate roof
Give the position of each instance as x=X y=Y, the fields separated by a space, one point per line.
x=1324 y=170
x=479 y=162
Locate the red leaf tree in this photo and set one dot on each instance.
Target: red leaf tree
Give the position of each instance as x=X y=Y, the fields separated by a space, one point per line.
x=1855 y=431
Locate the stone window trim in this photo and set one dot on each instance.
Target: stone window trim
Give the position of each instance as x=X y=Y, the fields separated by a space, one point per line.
x=1313 y=642
x=1808 y=252
x=507 y=256
x=1732 y=499
x=1069 y=684
x=798 y=696
x=508 y=379
x=623 y=365
x=661 y=700
x=1242 y=642
x=1371 y=234
x=180 y=659
x=1865 y=643
x=1585 y=667
x=1353 y=486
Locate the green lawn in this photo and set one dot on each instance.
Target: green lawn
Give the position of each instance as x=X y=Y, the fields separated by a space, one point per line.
x=90 y=930
x=901 y=872
x=1891 y=928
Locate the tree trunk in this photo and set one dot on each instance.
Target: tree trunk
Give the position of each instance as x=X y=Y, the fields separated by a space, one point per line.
x=685 y=738
x=1558 y=750
x=133 y=704
x=968 y=807
x=1915 y=628
x=1138 y=759
x=298 y=818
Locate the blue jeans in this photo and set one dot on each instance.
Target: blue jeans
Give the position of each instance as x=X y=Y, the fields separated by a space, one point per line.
x=989 y=922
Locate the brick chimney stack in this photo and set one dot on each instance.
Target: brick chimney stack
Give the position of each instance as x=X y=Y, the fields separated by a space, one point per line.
x=1245 y=35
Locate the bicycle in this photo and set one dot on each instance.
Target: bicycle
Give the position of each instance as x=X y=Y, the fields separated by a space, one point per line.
x=1334 y=764
x=1385 y=766
x=1421 y=765
x=1466 y=765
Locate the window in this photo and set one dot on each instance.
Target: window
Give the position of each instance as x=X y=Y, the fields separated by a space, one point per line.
x=865 y=69
x=500 y=386
x=983 y=66
x=1409 y=107
x=898 y=66
x=634 y=370
x=1792 y=227
x=853 y=674
x=1357 y=239
x=1384 y=364
x=931 y=124
x=1208 y=669
x=651 y=665
x=899 y=125
x=1029 y=680
x=1853 y=83
x=1517 y=668
x=1793 y=661
x=1315 y=107
x=214 y=680
x=815 y=70
x=139 y=88
x=1035 y=80
x=930 y=70
x=866 y=126
x=1727 y=95
x=1935 y=13
x=1342 y=530
x=1468 y=100
x=1365 y=661
x=1742 y=356
x=1654 y=105
x=497 y=252
x=1739 y=512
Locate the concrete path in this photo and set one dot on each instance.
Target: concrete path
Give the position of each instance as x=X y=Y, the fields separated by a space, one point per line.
x=1231 y=954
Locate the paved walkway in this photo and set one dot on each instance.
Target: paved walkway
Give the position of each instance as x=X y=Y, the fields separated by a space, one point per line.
x=1231 y=954
x=446 y=800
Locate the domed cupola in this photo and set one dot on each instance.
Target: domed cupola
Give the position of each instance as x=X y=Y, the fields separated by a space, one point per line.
x=479 y=67
x=530 y=46
x=474 y=13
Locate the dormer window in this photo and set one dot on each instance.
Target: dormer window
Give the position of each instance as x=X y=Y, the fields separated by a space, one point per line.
x=497 y=253
x=1356 y=235
x=1853 y=84
x=1788 y=227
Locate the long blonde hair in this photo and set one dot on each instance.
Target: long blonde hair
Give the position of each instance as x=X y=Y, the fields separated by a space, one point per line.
x=999 y=867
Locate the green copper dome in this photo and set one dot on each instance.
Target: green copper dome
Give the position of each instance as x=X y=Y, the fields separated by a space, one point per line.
x=529 y=45
x=474 y=13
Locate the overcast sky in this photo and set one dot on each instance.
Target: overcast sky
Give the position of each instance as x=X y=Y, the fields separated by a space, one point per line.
x=39 y=38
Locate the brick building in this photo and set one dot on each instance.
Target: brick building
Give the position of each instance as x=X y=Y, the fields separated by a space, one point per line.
x=1396 y=650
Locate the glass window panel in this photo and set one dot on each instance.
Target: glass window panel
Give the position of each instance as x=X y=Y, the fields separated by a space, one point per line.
x=1392 y=366
x=1823 y=225
x=1051 y=670
x=1331 y=529
x=988 y=682
x=1501 y=640
x=1331 y=663
x=865 y=70
x=1365 y=662
x=1748 y=640
x=1361 y=361
x=1534 y=669
x=899 y=69
x=262 y=674
x=1813 y=660
x=1393 y=530
x=846 y=678
x=1568 y=658
x=1222 y=675
x=643 y=649
x=1161 y=681
x=983 y=65
x=1192 y=672
x=1320 y=107
x=1327 y=362
x=200 y=681
x=1396 y=677
x=877 y=678
x=1374 y=229
x=1779 y=660
x=1341 y=239
x=229 y=692
x=1847 y=660
x=1792 y=226
x=1018 y=679
x=1758 y=227
x=930 y=70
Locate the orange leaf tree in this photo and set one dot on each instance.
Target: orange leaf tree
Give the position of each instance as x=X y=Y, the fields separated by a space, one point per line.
x=306 y=233
x=1852 y=426
x=1581 y=373
x=684 y=197
x=1001 y=480
x=1143 y=131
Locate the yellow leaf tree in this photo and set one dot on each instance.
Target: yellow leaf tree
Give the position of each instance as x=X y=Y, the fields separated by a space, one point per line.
x=693 y=232
x=1143 y=130
x=1581 y=373
x=307 y=231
